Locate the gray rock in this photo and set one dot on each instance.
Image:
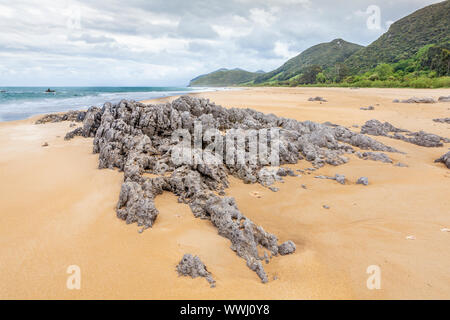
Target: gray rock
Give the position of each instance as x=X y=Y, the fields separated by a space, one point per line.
x=421 y=138
x=416 y=100
x=369 y=108
x=192 y=266
x=317 y=99
x=326 y=206
x=137 y=139
x=363 y=181
x=287 y=247
x=77 y=132
x=402 y=165
x=444 y=99
x=445 y=159
x=340 y=178
x=274 y=189
x=74 y=116
x=374 y=156
x=442 y=120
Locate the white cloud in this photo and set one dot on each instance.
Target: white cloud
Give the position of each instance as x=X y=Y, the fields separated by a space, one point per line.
x=281 y=49
x=162 y=42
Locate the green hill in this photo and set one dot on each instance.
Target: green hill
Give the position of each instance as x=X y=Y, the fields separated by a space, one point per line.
x=224 y=77
x=324 y=55
x=429 y=25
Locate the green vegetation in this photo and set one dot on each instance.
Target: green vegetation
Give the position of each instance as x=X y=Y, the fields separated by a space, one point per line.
x=415 y=52
x=429 y=25
x=224 y=77
x=324 y=55
x=428 y=68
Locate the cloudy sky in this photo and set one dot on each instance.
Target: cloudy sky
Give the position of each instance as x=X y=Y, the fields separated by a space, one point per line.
x=168 y=42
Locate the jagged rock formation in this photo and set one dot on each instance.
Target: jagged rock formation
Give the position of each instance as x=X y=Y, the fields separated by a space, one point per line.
x=137 y=139
x=340 y=178
x=374 y=156
x=421 y=138
x=445 y=159
x=416 y=100
x=442 y=120
x=76 y=116
x=192 y=266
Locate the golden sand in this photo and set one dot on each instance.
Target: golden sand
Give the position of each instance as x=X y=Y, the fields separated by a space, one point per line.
x=57 y=209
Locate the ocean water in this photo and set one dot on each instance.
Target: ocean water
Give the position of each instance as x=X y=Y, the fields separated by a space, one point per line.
x=18 y=103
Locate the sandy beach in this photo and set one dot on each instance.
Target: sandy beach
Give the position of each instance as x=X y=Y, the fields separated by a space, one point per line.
x=58 y=209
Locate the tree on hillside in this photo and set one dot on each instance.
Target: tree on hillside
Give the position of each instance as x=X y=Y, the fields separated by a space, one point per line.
x=310 y=74
x=341 y=72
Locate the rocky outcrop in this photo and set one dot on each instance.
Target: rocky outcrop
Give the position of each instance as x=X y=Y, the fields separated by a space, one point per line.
x=76 y=116
x=442 y=120
x=445 y=159
x=421 y=138
x=193 y=267
x=374 y=156
x=138 y=139
x=340 y=178
x=91 y=122
x=416 y=100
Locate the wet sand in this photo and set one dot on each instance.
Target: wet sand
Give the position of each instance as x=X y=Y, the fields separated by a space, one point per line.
x=57 y=209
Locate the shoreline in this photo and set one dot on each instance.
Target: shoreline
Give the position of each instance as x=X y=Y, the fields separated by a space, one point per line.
x=86 y=105
x=69 y=218
x=199 y=93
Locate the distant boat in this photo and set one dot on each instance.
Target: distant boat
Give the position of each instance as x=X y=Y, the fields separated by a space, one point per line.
x=49 y=91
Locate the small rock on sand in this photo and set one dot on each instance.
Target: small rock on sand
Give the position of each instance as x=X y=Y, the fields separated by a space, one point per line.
x=445 y=229
x=45 y=144
x=326 y=207
x=340 y=178
x=274 y=189
x=363 y=181
x=304 y=186
x=415 y=100
x=401 y=165
x=317 y=99
x=287 y=247
x=192 y=266
x=410 y=238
